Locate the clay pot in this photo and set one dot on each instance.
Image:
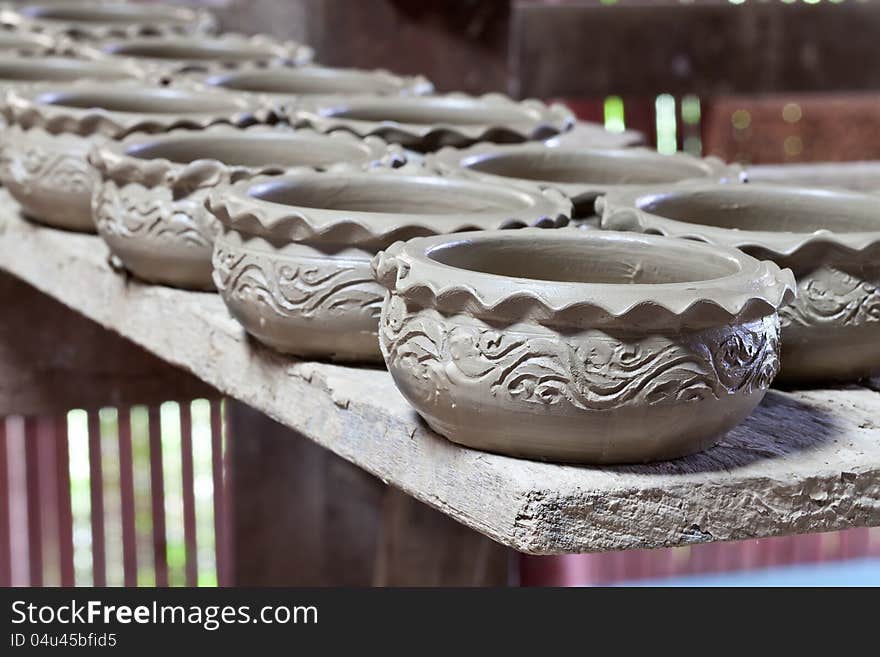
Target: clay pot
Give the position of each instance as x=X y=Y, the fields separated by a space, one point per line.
x=581 y=173
x=150 y=205
x=90 y=20
x=178 y=54
x=830 y=239
x=313 y=80
x=51 y=128
x=17 y=41
x=293 y=261
x=587 y=346
x=426 y=123
x=16 y=71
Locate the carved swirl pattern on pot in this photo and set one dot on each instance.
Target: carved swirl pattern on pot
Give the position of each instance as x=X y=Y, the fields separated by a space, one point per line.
x=832 y=296
x=303 y=287
x=44 y=169
x=134 y=211
x=596 y=372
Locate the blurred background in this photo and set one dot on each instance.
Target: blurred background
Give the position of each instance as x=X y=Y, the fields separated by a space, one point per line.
x=142 y=495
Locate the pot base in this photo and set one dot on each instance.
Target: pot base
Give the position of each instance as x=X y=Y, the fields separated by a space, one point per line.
x=813 y=355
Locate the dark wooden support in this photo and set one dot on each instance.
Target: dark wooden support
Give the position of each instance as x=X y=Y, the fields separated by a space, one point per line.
x=302 y=516
x=53 y=359
x=647 y=47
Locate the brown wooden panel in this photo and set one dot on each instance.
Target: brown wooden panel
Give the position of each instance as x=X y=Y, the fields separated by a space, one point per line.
x=792 y=128
x=588 y=49
x=53 y=359
x=305 y=517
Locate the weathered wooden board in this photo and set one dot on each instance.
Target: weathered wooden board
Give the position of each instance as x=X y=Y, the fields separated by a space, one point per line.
x=804 y=462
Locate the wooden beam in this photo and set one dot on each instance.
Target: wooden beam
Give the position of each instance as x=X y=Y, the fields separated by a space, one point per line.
x=304 y=517
x=648 y=47
x=53 y=359
x=803 y=462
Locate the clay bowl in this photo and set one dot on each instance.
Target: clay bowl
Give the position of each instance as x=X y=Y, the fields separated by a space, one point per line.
x=16 y=41
x=581 y=173
x=90 y=20
x=426 y=123
x=150 y=205
x=293 y=260
x=587 y=346
x=319 y=80
x=179 y=54
x=830 y=239
x=21 y=71
x=52 y=127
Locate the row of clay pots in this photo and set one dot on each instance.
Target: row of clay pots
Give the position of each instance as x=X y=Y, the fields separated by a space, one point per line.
x=596 y=346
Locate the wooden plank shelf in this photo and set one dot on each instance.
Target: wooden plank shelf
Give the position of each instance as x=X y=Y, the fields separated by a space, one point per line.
x=803 y=462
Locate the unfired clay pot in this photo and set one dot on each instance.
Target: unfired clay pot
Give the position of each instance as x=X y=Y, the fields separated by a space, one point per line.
x=18 y=41
x=16 y=70
x=314 y=80
x=150 y=205
x=51 y=128
x=830 y=239
x=177 y=54
x=580 y=173
x=91 y=20
x=426 y=123
x=584 y=346
x=293 y=261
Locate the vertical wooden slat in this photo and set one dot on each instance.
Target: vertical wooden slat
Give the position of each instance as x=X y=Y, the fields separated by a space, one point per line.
x=48 y=486
x=639 y=114
x=219 y=497
x=96 y=489
x=5 y=548
x=126 y=493
x=65 y=514
x=189 y=498
x=157 y=495
x=34 y=524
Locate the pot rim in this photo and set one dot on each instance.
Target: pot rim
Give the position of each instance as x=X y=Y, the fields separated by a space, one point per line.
x=455 y=159
x=406 y=85
x=155 y=19
x=540 y=121
x=114 y=161
x=28 y=108
x=128 y=70
x=753 y=288
x=266 y=50
x=239 y=210
x=622 y=210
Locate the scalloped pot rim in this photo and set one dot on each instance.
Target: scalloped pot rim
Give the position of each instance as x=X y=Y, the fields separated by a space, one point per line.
x=522 y=120
x=226 y=49
x=26 y=71
x=569 y=162
x=429 y=272
x=139 y=157
x=121 y=18
x=396 y=211
x=86 y=110
x=271 y=80
x=632 y=210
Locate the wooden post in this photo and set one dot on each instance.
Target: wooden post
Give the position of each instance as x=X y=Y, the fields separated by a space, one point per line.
x=304 y=517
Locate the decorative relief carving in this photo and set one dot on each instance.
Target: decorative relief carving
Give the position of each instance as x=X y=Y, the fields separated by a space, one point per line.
x=55 y=170
x=134 y=211
x=832 y=296
x=299 y=286
x=595 y=371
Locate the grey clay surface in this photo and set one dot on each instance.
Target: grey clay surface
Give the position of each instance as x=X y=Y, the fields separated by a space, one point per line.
x=150 y=204
x=829 y=238
x=293 y=261
x=565 y=346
